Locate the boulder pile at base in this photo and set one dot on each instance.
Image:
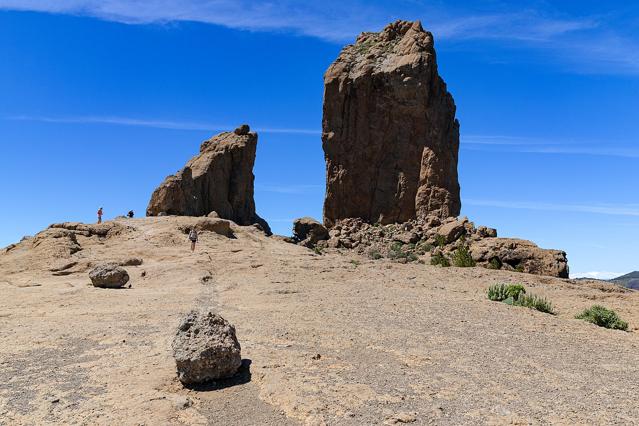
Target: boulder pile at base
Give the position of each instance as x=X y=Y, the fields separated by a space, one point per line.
x=219 y=179
x=389 y=132
x=425 y=239
x=205 y=348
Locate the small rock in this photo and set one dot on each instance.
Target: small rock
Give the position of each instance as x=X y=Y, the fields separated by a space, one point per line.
x=181 y=402
x=205 y=348
x=109 y=275
x=244 y=129
x=133 y=261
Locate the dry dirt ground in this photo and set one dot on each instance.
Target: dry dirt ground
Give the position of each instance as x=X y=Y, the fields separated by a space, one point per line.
x=327 y=339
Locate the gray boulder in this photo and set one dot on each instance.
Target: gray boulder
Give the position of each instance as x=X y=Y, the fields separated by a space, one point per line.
x=109 y=275
x=205 y=348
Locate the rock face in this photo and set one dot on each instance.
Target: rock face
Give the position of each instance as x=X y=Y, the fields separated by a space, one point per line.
x=109 y=275
x=205 y=348
x=220 y=178
x=390 y=136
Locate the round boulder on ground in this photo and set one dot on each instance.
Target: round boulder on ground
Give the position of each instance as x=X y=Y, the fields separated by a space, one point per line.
x=205 y=348
x=308 y=232
x=109 y=275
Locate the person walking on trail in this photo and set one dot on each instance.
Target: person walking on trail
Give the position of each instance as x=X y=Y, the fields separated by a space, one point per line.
x=193 y=238
x=100 y=215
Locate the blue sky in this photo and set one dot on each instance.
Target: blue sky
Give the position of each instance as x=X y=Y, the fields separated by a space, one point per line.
x=100 y=100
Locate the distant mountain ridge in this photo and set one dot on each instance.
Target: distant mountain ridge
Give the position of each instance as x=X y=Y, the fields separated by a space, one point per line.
x=630 y=280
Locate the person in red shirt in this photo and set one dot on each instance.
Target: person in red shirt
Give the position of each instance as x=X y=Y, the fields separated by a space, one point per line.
x=100 y=215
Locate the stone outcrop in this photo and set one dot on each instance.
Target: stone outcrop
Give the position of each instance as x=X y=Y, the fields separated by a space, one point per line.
x=520 y=255
x=423 y=240
x=109 y=275
x=390 y=136
x=220 y=178
x=205 y=348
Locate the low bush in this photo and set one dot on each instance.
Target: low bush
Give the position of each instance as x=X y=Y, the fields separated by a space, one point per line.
x=439 y=259
x=603 y=317
x=401 y=252
x=503 y=292
x=538 y=303
x=440 y=240
x=515 y=295
x=423 y=247
x=462 y=257
x=494 y=263
x=375 y=255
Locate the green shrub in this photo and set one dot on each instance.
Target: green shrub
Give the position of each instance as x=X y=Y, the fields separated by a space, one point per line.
x=356 y=263
x=515 y=295
x=395 y=251
x=440 y=240
x=399 y=251
x=538 y=303
x=494 y=263
x=375 y=255
x=317 y=250
x=519 y=268
x=603 y=317
x=503 y=292
x=439 y=259
x=462 y=257
x=423 y=247
x=498 y=292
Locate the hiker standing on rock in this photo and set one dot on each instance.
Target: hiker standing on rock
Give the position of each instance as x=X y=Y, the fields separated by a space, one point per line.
x=193 y=238
x=100 y=215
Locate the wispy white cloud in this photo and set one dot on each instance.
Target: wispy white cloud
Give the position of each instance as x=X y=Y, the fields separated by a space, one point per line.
x=158 y=124
x=588 y=41
x=526 y=145
x=524 y=26
x=506 y=140
x=606 y=209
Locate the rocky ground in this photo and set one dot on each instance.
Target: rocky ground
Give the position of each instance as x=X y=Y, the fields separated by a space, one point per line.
x=331 y=338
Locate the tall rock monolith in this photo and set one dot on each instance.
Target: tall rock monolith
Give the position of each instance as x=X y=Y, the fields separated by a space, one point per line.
x=390 y=136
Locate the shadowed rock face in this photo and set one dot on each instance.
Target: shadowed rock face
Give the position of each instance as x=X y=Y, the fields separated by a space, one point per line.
x=390 y=136
x=220 y=178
